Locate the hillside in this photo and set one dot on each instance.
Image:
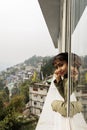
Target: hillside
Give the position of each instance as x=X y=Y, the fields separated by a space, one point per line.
x=34 y=60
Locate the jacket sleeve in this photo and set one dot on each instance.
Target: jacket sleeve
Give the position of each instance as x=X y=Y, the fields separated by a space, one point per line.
x=61 y=107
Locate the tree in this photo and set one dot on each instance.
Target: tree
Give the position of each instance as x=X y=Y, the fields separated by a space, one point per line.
x=47 y=68
x=10 y=121
x=1 y=108
x=24 y=90
x=35 y=77
x=4 y=96
x=17 y=102
x=6 y=93
x=1 y=84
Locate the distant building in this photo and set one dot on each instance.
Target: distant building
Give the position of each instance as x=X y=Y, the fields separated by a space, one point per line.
x=37 y=93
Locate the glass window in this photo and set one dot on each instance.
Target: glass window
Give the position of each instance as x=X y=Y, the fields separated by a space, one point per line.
x=79 y=47
x=35 y=103
x=41 y=88
x=35 y=89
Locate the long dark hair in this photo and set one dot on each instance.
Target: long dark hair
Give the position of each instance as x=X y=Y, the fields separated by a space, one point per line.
x=75 y=59
x=60 y=57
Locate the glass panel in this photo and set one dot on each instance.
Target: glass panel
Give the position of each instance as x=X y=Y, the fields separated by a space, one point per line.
x=79 y=47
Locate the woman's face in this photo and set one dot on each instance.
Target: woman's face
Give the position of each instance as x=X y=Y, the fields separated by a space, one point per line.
x=61 y=68
x=74 y=72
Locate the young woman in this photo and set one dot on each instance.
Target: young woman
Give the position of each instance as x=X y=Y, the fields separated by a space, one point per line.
x=54 y=114
x=60 y=62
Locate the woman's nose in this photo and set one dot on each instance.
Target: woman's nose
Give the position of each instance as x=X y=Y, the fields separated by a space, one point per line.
x=59 y=69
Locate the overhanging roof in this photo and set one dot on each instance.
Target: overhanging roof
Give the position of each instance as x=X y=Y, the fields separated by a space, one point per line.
x=51 y=13
x=51 y=10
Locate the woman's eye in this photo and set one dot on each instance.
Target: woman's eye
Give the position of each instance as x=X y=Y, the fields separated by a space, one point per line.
x=56 y=66
x=60 y=65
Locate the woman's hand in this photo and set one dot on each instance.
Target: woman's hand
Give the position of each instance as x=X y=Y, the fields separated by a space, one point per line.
x=57 y=75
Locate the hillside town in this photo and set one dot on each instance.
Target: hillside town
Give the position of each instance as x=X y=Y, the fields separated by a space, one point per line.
x=12 y=79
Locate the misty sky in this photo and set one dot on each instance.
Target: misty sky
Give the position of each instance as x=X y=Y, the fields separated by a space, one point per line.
x=23 y=32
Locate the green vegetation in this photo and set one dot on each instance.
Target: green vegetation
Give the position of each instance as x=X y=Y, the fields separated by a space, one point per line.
x=1 y=84
x=34 y=60
x=24 y=90
x=11 y=109
x=47 y=67
x=29 y=126
x=9 y=122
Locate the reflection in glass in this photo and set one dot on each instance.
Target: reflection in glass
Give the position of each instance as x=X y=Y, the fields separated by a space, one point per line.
x=79 y=46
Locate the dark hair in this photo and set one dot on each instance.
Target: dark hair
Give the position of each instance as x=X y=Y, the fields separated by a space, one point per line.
x=75 y=59
x=60 y=57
